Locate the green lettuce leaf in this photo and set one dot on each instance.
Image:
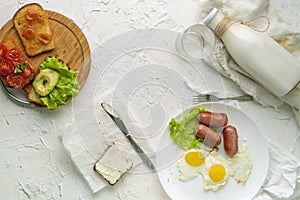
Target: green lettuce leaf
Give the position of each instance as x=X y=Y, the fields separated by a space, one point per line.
x=182 y=132
x=67 y=85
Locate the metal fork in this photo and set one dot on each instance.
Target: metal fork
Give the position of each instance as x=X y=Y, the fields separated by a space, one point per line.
x=210 y=97
x=16 y=97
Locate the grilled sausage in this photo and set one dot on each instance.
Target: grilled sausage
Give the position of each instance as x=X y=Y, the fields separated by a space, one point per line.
x=213 y=119
x=230 y=137
x=209 y=136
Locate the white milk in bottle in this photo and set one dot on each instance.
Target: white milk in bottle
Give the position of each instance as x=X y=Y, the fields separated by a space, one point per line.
x=260 y=56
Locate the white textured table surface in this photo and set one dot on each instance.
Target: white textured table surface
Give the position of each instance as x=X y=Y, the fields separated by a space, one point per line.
x=33 y=162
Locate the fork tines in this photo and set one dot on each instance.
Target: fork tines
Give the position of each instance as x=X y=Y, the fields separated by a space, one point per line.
x=201 y=98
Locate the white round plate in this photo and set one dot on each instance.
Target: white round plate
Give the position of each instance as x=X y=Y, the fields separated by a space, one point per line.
x=169 y=153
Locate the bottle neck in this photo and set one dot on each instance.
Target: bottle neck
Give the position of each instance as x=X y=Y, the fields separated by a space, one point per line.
x=215 y=20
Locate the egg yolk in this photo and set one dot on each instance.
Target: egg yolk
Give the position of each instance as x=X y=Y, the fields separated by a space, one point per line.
x=194 y=158
x=217 y=172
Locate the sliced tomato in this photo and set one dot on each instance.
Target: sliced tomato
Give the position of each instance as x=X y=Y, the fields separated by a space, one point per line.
x=3 y=50
x=28 y=32
x=45 y=38
x=27 y=71
x=6 y=67
x=15 y=80
x=32 y=15
x=13 y=54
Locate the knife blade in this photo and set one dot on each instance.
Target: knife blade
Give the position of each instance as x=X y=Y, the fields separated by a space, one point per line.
x=119 y=122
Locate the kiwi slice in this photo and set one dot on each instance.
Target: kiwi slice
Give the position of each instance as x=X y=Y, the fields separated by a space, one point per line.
x=45 y=81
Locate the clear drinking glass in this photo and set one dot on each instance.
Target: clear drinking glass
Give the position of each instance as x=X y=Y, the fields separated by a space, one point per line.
x=196 y=42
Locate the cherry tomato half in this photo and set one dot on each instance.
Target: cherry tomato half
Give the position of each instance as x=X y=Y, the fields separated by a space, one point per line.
x=28 y=32
x=13 y=54
x=6 y=67
x=15 y=80
x=27 y=71
x=3 y=50
x=32 y=15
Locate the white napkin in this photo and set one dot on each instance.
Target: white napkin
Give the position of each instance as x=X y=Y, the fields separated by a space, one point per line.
x=88 y=136
x=82 y=158
x=282 y=178
x=284 y=171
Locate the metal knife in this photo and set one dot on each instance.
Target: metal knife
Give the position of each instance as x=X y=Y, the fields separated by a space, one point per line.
x=119 y=122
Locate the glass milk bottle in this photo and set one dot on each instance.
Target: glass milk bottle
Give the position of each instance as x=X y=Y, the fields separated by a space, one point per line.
x=260 y=56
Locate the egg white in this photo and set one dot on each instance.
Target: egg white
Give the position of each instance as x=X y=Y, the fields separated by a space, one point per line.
x=186 y=171
x=240 y=165
x=212 y=159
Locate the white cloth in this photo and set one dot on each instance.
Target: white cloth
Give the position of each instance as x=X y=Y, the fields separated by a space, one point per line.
x=282 y=178
x=85 y=141
x=82 y=158
x=284 y=171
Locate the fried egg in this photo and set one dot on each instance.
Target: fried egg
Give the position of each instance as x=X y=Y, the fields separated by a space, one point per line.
x=215 y=171
x=215 y=166
x=241 y=165
x=190 y=164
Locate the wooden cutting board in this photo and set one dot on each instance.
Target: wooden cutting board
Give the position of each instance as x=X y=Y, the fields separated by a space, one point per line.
x=71 y=44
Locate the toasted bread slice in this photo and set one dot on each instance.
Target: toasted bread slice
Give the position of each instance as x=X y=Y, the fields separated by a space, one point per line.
x=33 y=27
x=11 y=43
x=32 y=95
